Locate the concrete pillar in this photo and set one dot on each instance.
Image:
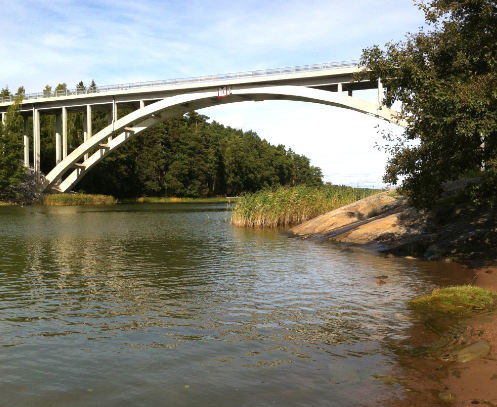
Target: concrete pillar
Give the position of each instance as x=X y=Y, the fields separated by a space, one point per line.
x=87 y=126
x=380 y=93
x=64 y=132
x=58 y=138
x=112 y=117
x=339 y=89
x=36 y=144
x=350 y=92
x=4 y=116
x=142 y=104
x=26 y=141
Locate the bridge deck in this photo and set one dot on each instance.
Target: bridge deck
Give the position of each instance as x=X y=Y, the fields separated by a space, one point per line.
x=328 y=76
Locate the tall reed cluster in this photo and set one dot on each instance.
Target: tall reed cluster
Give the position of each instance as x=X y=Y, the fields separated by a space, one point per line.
x=78 y=199
x=292 y=205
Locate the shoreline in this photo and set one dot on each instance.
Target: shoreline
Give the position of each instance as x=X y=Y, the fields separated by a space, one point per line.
x=386 y=224
x=427 y=380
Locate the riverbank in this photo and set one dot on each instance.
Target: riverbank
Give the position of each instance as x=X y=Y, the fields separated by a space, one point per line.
x=453 y=231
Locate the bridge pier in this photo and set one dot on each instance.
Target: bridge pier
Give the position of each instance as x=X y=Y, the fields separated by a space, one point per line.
x=58 y=138
x=36 y=144
x=87 y=130
x=64 y=132
x=26 y=141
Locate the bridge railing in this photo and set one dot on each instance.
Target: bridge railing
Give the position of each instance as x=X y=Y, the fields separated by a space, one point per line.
x=186 y=81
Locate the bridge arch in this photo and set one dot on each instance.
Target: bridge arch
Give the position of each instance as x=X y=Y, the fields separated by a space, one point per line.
x=122 y=130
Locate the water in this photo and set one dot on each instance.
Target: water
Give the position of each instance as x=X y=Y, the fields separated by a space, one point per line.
x=168 y=305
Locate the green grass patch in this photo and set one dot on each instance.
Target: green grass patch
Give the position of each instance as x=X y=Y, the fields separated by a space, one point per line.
x=286 y=206
x=182 y=200
x=458 y=299
x=78 y=199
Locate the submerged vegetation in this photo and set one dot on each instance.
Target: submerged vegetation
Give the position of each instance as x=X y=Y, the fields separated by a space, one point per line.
x=291 y=205
x=458 y=299
x=78 y=199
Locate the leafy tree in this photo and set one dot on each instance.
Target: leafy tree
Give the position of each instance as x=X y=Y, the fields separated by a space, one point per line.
x=47 y=92
x=5 y=91
x=12 y=170
x=446 y=80
x=60 y=88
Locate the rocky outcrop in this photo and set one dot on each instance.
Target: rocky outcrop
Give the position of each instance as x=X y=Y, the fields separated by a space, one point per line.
x=386 y=223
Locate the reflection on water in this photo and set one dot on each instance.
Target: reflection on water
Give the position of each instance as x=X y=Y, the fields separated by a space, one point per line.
x=166 y=304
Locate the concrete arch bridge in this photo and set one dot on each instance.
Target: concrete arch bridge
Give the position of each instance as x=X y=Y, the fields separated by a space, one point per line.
x=154 y=102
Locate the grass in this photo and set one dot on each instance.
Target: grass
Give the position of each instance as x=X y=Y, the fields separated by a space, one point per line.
x=286 y=206
x=195 y=200
x=78 y=199
x=458 y=299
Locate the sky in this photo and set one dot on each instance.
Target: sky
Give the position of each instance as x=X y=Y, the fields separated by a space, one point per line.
x=120 y=41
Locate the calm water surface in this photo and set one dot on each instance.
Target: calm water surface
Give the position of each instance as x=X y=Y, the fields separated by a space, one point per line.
x=168 y=305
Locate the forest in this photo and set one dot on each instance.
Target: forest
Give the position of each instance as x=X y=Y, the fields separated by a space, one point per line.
x=188 y=156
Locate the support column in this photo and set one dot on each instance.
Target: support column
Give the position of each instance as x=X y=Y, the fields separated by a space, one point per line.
x=26 y=141
x=4 y=116
x=142 y=104
x=350 y=92
x=380 y=93
x=112 y=117
x=36 y=144
x=58 y=138
x=87 y=126
x=64 y=133
x=339 y=89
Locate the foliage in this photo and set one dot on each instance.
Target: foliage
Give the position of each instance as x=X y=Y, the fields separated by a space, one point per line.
x=457 y=299
x=78 y=199
x=446 y=81
x=189 y=157
x=285 y=206
x=12 y=171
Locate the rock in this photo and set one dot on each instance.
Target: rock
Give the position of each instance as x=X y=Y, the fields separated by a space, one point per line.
x=447 y=397
x=387 y=379
x=380 y=282
x=478 y=350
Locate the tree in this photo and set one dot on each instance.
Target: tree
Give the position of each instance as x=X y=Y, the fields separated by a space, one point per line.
x=446 y=81
x=93 y=87
x=12 y=170
x=5 y=91
x=80 y=88
x=47 y=92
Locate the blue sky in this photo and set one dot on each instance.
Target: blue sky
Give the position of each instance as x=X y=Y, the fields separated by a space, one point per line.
x=119 y=41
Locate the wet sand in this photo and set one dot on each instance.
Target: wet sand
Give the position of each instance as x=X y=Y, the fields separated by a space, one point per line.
x=425 y=379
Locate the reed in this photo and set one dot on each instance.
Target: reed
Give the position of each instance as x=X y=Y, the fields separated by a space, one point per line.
x=287 y=206
x=78 y=199
x=194 y=200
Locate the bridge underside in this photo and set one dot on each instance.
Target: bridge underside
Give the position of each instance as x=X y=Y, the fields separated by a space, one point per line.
x=124 y=129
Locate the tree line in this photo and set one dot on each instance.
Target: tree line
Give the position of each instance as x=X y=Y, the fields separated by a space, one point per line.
x=187 y=156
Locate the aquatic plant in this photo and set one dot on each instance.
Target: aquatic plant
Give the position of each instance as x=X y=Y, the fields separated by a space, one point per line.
x=78 y=199
x=457 y=299
x=292 y=205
